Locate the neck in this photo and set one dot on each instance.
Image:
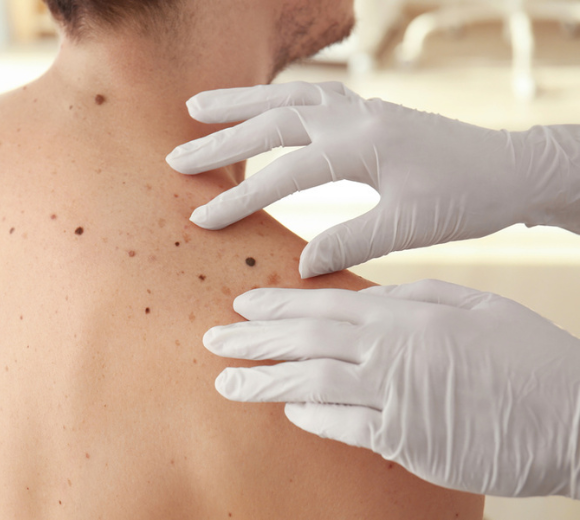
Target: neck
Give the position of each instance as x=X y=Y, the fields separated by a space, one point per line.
x=133 y=90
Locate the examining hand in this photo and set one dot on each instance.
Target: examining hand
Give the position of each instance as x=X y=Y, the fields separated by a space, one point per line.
x=439 y=179
x=468 y=390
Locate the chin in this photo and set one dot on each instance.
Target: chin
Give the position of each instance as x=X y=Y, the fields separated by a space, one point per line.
x=307 y=27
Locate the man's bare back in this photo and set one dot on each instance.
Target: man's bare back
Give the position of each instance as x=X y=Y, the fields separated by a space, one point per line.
x=107 y=403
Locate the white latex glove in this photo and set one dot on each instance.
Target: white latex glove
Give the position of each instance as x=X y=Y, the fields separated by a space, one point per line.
x=439 y=179
x=468 y=390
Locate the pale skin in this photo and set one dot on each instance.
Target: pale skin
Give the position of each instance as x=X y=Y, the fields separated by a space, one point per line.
x=107 y=401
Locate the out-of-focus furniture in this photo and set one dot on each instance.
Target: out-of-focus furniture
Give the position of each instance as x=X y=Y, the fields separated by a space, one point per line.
x=375 y=18
x=29 y=20
x=517 y=16
x=4 y=25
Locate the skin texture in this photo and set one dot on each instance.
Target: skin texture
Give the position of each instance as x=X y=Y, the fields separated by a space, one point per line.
x=107 y=401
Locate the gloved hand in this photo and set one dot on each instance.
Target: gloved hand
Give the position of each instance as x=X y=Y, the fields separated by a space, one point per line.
x=468 y=390
x=439 y=179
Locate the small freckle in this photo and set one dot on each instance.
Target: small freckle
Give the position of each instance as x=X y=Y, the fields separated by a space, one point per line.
x=177 y=342
x=60 y=502
x=35 y=100
x=79 y=231
x=87 y=456
x=69 y=482
x=227 y=291
x=191 y=317
x=250 y=261
x=195 y=361
x=70 y=107
x=147 y=310
x=162 y=222
x=202 y=277
x=100 y=99
x=149 y=291
x=176 y=195
x=6 y=368
x=53 y=217
x=229 y=514
x=132 y=254
x=12 y=230
x=172 y=461
x=390 y=466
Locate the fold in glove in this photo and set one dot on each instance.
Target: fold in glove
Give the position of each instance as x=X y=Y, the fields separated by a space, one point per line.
x=439 y=179
x=467 y=390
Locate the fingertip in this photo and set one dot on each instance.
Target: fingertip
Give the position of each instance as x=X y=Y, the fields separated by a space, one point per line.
x=209 y=339
x=242 y=301
x=314 y=261
x=196 y=106
x=221 y=383
x=199 y=217
x=292 y=411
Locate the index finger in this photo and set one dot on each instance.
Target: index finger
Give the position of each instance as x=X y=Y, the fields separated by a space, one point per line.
x=238 y=104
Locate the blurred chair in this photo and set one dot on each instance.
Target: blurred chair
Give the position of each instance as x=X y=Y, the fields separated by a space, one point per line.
x=4 y=25
x=375 y=18
x=29 y=20
x=517 y=16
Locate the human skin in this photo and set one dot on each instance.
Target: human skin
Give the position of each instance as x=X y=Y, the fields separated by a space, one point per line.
x=107 y=401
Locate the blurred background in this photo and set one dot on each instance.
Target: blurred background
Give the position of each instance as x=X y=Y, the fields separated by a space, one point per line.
x=501 y=64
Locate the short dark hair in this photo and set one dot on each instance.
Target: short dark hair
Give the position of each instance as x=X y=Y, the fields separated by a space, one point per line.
x=77 y=15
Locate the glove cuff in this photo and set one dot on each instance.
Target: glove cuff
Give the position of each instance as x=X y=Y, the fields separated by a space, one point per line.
x=548 y=166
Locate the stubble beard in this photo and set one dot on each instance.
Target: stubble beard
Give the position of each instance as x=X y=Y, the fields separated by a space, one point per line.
x=297 y=37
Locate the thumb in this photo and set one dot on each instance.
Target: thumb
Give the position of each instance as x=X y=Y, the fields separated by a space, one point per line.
x=353 y=425
x=347 y=244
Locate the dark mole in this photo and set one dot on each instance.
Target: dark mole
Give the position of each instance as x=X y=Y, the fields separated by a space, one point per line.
x=100 y=99
x=147 y=310
x=390 y=466
x=250 y=261
x=12 y=230
x=79 y=231
x=177 y=244
x=132 y=254
x=202 y=277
